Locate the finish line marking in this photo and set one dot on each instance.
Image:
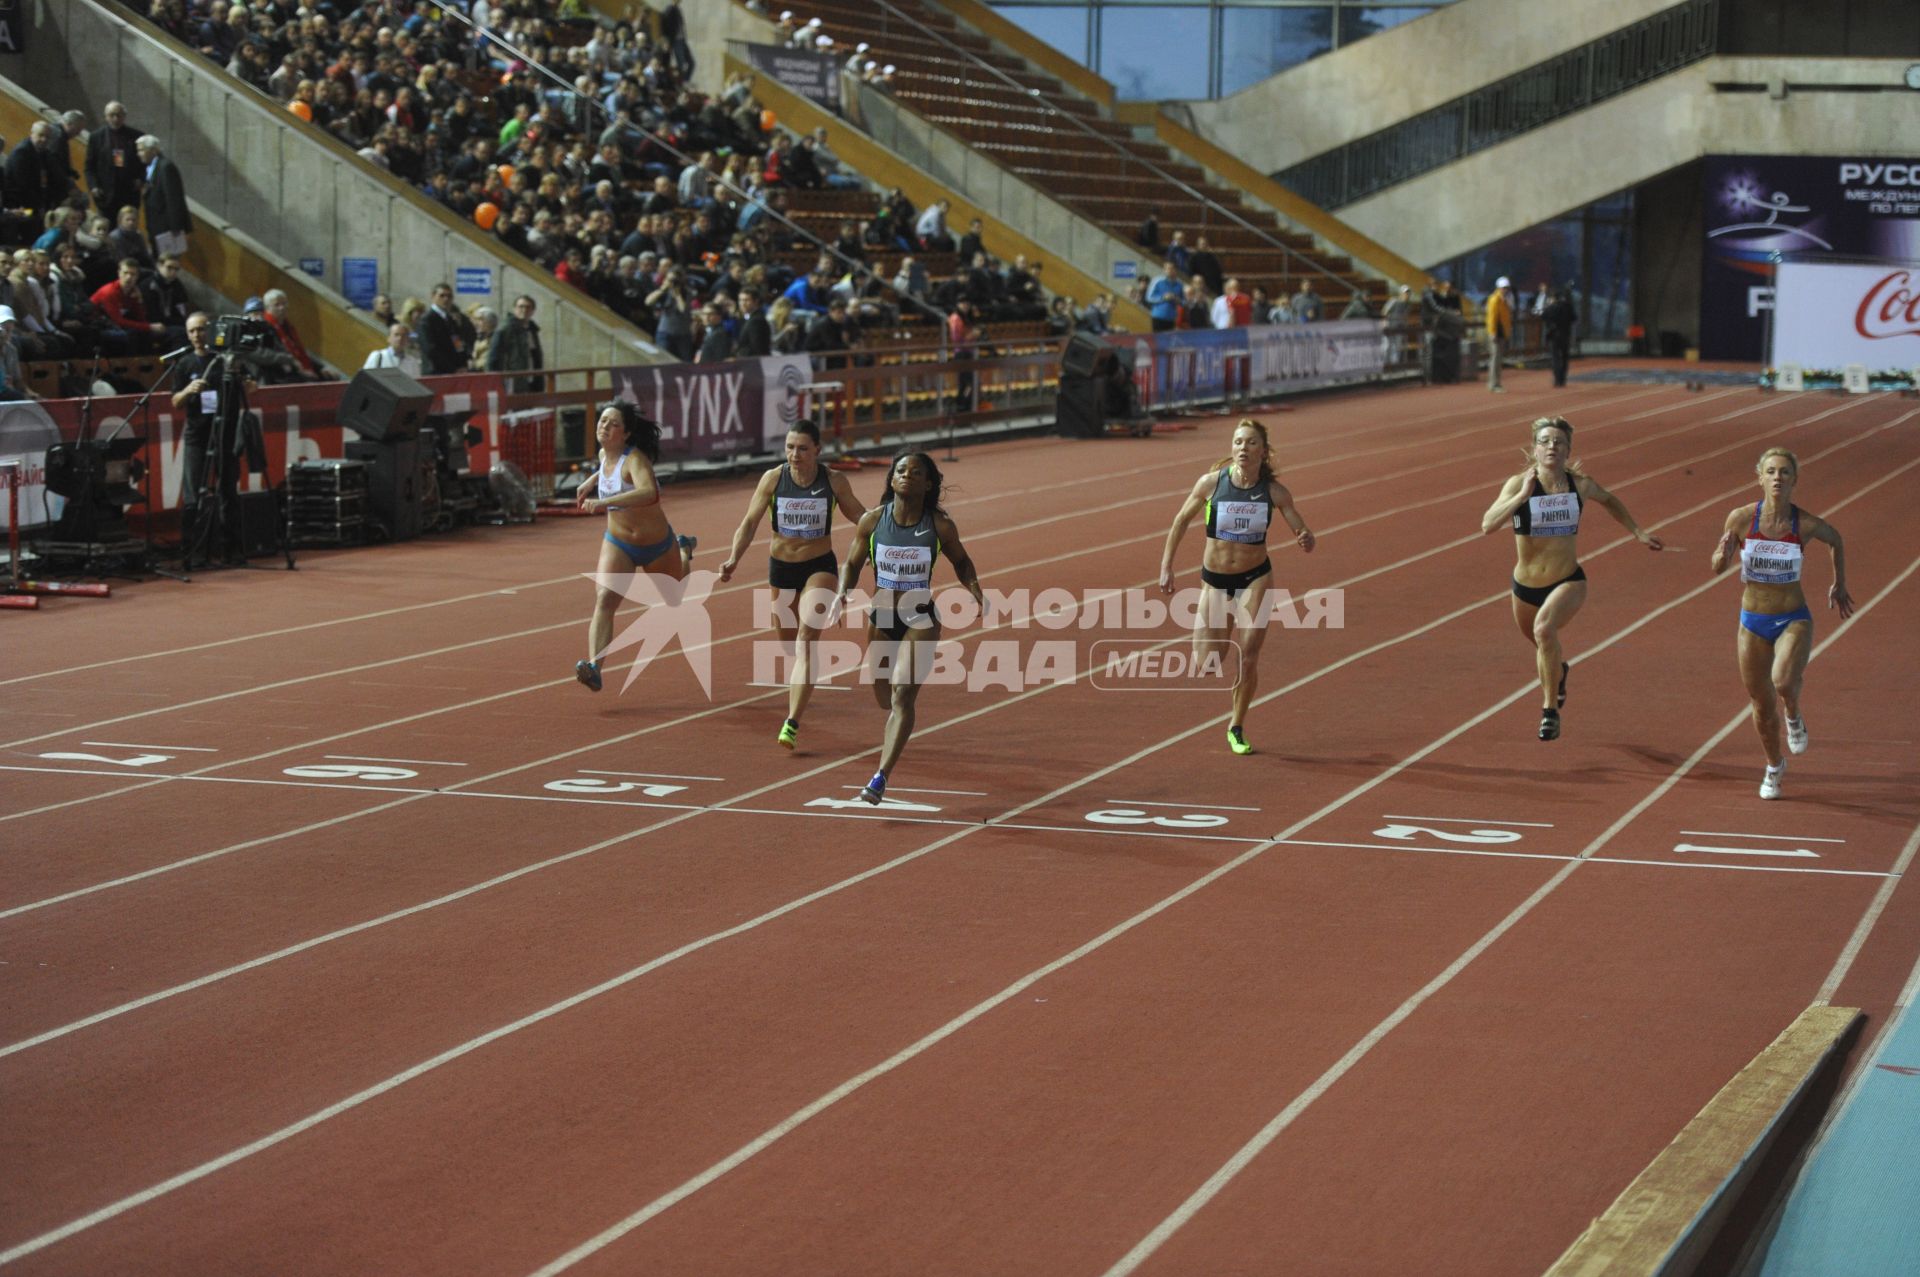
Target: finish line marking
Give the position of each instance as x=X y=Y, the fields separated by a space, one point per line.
x=1797 y=853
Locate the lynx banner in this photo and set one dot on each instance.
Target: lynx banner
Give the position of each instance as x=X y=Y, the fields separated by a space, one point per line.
x=1829 y=314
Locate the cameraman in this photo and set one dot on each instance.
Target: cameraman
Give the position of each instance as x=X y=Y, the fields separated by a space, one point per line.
x=198 y=376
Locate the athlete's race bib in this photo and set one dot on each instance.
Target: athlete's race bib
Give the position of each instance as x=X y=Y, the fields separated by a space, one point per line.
x=1553 y=514
x=1240 y=521
x=903 y=567
x=803 y=518
x=1770 y=562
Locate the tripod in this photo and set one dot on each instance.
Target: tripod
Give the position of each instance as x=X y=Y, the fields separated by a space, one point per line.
x=235 y=432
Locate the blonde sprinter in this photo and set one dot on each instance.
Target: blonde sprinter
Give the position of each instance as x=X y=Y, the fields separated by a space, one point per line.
x=1543 y=504
x=803 y=494
x=1238 y=497
x=1776 y=625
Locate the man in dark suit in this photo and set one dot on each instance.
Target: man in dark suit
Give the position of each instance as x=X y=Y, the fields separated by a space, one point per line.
x=37 y=176
x=113 y=164
x=756 y=338
x=446 y=335
x=167 y=218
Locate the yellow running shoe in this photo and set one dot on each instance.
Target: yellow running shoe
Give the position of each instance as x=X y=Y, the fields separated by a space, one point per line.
x=1237 y=741
x=789 y=734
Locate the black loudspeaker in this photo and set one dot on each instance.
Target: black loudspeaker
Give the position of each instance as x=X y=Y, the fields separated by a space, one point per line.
x=1081 y=354
x=259 y=524
x=395 y=493
x=1077 y=409
x=384 y=405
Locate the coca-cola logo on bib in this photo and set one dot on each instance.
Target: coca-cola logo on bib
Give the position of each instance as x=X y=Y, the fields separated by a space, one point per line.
x=1891 y=308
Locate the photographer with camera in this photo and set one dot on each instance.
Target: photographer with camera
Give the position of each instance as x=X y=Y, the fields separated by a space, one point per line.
x=201 y=377
x=674 y=331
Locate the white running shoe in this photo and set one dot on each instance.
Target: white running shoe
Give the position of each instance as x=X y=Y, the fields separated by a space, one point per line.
x=1796 y=735
x=1770 y=783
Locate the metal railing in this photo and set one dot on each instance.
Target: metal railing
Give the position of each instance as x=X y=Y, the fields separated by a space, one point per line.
x=1549 y=91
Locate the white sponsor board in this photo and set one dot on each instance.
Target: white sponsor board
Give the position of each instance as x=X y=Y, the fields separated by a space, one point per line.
x=1830 y=314
x=1300 y=356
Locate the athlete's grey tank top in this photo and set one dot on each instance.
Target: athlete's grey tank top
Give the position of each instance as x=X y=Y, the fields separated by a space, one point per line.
x=804 y=514
x=903 y=557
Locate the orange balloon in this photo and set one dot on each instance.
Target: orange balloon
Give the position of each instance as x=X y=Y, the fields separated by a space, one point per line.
x=301 y=109
x=767 y=121
x=506 y=173
x=486 y=215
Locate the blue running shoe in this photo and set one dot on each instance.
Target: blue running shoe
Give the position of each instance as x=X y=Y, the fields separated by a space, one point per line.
x=875 y=790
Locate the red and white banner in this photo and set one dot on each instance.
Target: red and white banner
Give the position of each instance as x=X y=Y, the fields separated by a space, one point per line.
x=1827 y=315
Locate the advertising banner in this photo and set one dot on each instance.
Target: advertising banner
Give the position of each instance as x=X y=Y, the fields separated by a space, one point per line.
x=1829 y=314
x=814 y=76
x=1759 y=207
x=1302 y=356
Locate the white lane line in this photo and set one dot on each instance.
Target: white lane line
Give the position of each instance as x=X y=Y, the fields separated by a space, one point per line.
x=285 y=1133
x=1285 y=1118
x=1785 y=853
x=1135 y=802
x=1869 y=919
x=1457 y=820
x=120 y=744
x=1372 y=480
x=588 y=771
x=902 y=789
x=368 y=758
x=1721 y=833
x=780 y=1130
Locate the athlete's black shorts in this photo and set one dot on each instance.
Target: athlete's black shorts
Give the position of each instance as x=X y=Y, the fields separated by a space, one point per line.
x=782 y=575
x=1535 y=595
x=1231 y=583
x=894 y=614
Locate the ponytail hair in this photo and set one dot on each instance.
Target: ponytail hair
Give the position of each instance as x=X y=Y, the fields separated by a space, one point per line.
x=1266 y=448
x=643 y=432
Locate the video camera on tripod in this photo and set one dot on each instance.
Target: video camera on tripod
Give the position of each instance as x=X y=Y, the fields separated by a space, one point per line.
x=245 y=350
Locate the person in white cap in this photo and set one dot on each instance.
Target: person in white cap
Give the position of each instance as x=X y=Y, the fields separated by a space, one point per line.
x=1499 y=330
x=859 y=56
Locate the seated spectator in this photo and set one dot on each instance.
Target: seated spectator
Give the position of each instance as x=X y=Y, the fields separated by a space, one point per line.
x=273 y=309
x=828 y=164
x=13 y=382
x=809 y=293
x=755 y=336
x=71 y=307
x=911 y=279
x=973 y=242
x=1177 y=254
x=798 y=169
x=1094 y=319
x=397 y=353
x=1199 y=305
x=1262 y=308
x=1356 y=307
x=788 y=325
x=1060 y=317
x=166 y=295
x=126 y=310
x=63 y=224
x=830 y=335
x=931 y=229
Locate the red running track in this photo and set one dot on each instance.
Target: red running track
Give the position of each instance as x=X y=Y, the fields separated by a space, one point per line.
x=613 y=985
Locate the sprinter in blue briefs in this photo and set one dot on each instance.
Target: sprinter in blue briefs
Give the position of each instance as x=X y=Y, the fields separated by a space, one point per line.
x=1776 y=625
x=638 y=536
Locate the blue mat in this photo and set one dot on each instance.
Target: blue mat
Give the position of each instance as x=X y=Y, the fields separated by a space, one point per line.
x=1856 y=1209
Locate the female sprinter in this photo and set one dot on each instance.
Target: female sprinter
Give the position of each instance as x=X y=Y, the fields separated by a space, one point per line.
x=903 y=535
x=1239 y=497
x=802 y=494
x=1543 y=504
x=638 y=535
x=1776 y=626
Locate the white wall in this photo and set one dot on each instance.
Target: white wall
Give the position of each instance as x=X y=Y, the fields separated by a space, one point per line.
x=1635 y=136
x=1381 y=80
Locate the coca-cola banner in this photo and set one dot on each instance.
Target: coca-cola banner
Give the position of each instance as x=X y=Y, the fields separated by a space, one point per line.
x=1830 y=314
x=1760 y=207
